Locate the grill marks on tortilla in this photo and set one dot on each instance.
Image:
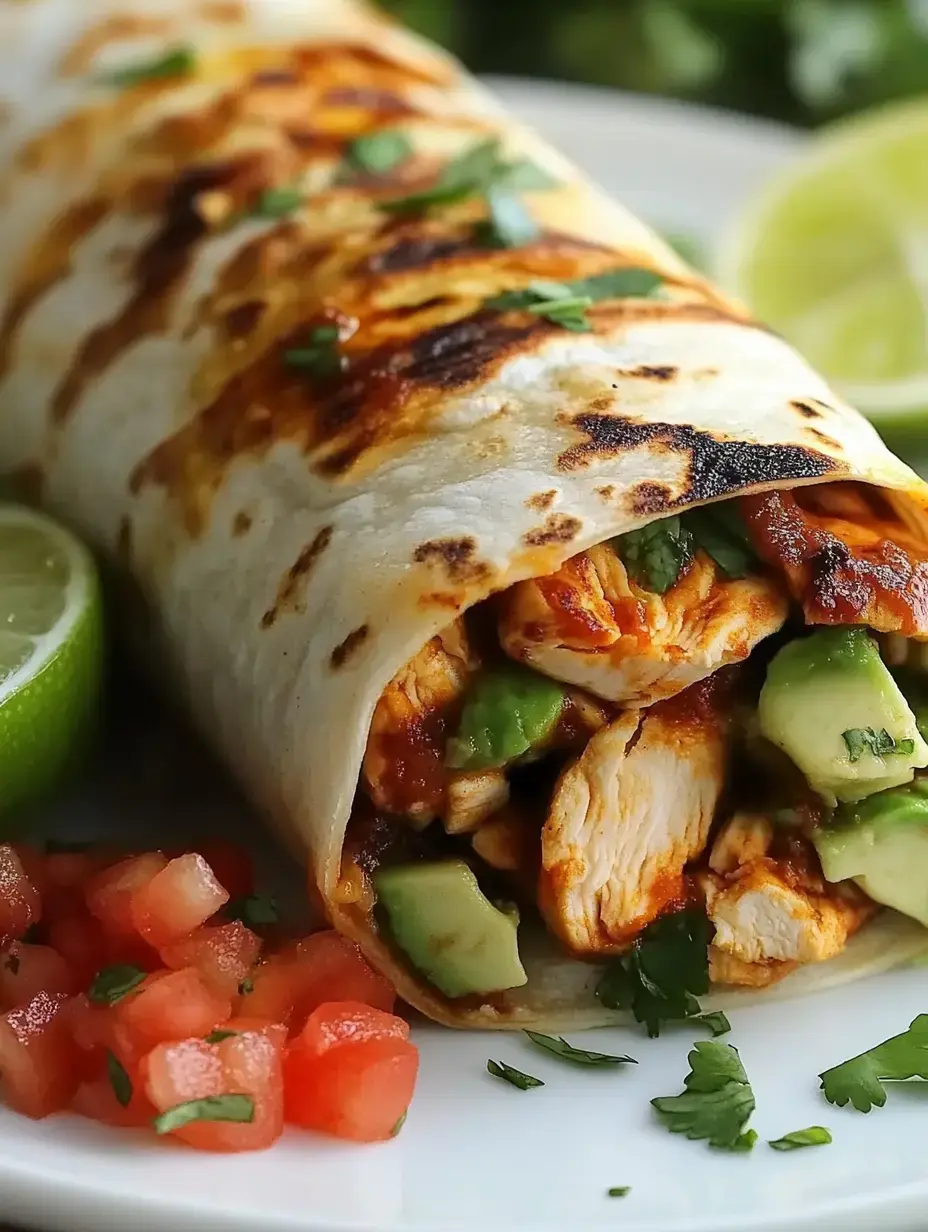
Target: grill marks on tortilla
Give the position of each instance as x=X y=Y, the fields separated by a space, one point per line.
x=716 y=465
x=289 y=591
x=558 y=528
x=454 y=558
x=346 y=649
x=648 y=497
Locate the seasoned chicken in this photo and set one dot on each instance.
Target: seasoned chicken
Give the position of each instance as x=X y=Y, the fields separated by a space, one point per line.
x=590 y=625
x=509 y=841
x=626 y=817
x=404 y=770
x=769 y=903
x=471 y=798
x=849 y=557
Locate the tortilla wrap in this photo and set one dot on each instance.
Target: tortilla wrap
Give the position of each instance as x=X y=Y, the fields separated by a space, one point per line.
x=292 y=552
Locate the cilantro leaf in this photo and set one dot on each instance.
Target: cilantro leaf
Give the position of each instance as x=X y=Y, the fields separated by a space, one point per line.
x=378 y=153
x=238 y=1108
x=859 y=1081
x=254 y=910
x=278 y=202
x=660 y=978
x=717 y=1022
x=565 y=303
x=515 y=1077
x=119 y=1080
x=246 y=987
x=220 y=1034
x=578 y=1056
x=509 y=224
x=113 y=983
x=320 y=356
x=177 y=62
x=656 y=554
x=618 y=1191
x=721 y=534
x=400 y=1122
x=815 y=1135
x=880 y=743
x=717 y=1103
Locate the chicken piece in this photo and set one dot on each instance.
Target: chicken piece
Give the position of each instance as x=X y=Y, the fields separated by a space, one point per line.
x=404 y=765
x=472 y=798
x=849 y=555
x=590 y=625
x=508 y=842
x=626 y=817
x=726 y=969
x=773 y=906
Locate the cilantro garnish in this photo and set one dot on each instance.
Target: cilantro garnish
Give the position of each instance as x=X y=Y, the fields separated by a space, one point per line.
x=399 y=1124
x=880 y=743
x=113 y=983
x=247 y=986
x=254 y=910
x=515 y=1077
x=278 y=202
x=618 y=1191
x=655 y=555
x=660 y=978
x=217 y=1036
x=565 y=303
x=119 y=1079
x=717 y=1103
x=815 y=1135
x=377 y=153
x=578 y=1056
x=320 y=356
x=178 y=62
x=859 y=1081
x=717 y=1022
x=721 y=534
x=240 y=1108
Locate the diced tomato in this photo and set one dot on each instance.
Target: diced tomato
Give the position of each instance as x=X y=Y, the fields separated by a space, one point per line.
x=97 y=1100
x=223 y=954
x=92 y=1026
x=247 y=1063
x=270 y=991
x=109 y=894
x=29 y=969
x=20 y=903
x=179 y=899
x=232 y=865
x=350 y=1073
x=38 y=1058
x=33 y=862
x=167 y=1006
x=80 y=941
x=332 y=968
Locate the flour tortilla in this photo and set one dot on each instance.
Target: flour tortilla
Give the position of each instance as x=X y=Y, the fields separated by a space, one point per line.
x=290 y=558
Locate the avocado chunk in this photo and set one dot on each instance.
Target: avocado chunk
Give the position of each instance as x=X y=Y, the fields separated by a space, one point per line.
x=448 y=928
x=507 y=711
x=882 y=844
x=830 y=703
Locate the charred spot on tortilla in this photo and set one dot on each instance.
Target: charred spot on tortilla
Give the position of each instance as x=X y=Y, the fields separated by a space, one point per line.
x=558 y=528
x=241 y=524
x=292 y=580
x=650 y=372
x=717 y=465
x=649 y=497
x=542 y=500
x=275 y=77
x=406 y=252
x=823 y=438
x=806 y=409
x=345 y=649
x=454 y=557
x=243 y=319
x=606 y=492
x=461 y=352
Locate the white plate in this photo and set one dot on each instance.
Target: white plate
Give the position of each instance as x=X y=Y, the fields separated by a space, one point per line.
x=476 y=1154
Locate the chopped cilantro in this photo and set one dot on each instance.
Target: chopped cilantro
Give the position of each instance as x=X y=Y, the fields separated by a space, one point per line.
x=577 y=1056
x=859 y=1081
x=880 y=743
x=239 y=1108
x=119 y=1079
x=655 y=555
x=178 y=62
x=717 y=1103
x=377 y=153
x=815 y=1135
x=515 y=1077
x=113 y=983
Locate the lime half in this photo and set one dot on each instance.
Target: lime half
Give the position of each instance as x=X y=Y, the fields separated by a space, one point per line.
x=51 y=654
x=834 y=255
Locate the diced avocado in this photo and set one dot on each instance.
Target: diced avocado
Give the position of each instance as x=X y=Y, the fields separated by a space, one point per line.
x=914 y=686
x=449 y=929
x=507 y=711
x=882 y=844
x=830 y=703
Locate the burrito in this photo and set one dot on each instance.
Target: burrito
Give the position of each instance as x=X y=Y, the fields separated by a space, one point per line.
x=554 y=611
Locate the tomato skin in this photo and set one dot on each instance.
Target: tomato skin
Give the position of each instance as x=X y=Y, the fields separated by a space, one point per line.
x=223 y=954
x=109 y=894
x=20 y=902
x=248 y=1063
x=37 y=1057
x=97 y=1100
x=80 y=941
x=26 y=970
x=166 y=1006
x=272 y=991
x=177 y=901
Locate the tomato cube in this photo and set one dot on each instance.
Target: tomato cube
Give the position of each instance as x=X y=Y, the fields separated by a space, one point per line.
x=223 y=954
x=177 y=900
x=233 y=867
x=269 y=992
x=247 y=1063
x=351 y=1073
x=92 y=1026
x=33 y=863
x=20 y=903
x=332 y=968
x=166 y=1007
x=109 y=893
x=29 y=969
x=38 y=1058
x=115 y=1098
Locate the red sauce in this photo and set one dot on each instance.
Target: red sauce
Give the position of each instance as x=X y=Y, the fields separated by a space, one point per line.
x=415 y=756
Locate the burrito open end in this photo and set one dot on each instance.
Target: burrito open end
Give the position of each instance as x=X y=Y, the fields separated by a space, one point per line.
x=535 y=593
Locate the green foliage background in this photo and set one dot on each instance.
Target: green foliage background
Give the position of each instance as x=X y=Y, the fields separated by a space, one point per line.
x=803 y=61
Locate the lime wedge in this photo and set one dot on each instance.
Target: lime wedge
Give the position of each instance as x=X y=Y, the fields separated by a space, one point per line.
x=51 y=654
x=834 y=255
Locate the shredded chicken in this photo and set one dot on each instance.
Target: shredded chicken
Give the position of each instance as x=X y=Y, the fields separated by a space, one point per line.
x=850 y=554
x=404 y=769
x=590 y=625
x=509 y=842
x=769 y=909
x=472 y=798
x=626 y=817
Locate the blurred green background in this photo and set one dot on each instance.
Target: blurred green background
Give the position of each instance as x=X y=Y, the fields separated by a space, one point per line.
x=802 y=61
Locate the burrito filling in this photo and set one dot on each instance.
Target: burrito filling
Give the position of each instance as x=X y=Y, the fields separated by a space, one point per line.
x=721 y=710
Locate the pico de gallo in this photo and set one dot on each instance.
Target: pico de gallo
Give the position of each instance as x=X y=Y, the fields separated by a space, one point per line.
x=158 y=990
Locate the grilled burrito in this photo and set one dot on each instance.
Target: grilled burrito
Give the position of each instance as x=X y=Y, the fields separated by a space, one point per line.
x=539 y=597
